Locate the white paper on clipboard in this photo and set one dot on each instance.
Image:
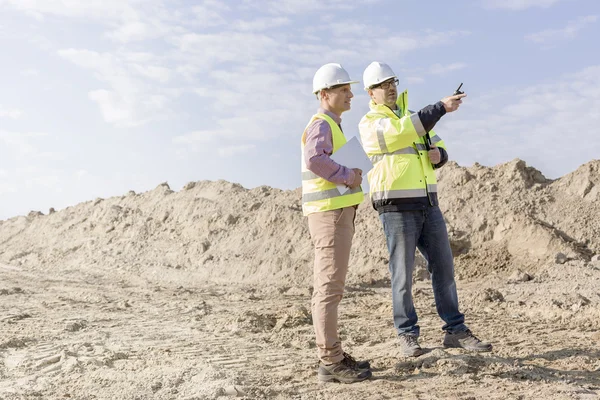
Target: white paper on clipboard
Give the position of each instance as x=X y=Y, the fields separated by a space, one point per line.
x=352 y=155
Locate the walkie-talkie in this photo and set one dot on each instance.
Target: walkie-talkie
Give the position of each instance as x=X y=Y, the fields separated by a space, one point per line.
x=427 y=138
x=457 y=91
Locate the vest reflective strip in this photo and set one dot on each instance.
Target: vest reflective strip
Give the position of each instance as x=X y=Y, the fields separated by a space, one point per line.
x=407 y=150
x=309 y=175
x=381 y=136
x=381 y=130
x=420 y=146
x=327 y=194
x=436 y=139
x=398 y=194
x=418 y=124
x=432 y=188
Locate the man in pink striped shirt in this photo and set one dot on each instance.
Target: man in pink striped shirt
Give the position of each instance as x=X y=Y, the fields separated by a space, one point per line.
x=330 y=220
x=318 y=149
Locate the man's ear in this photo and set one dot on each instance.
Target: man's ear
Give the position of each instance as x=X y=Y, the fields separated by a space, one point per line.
x=370 y=92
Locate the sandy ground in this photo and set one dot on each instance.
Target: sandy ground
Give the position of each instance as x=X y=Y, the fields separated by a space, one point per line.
x=86 y=334
x=205 y=294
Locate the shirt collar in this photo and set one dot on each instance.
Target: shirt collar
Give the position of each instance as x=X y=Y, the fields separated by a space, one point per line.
x=334 y=117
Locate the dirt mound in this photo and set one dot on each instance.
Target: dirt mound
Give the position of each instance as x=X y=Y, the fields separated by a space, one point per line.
x=511 y=215
x=584 y=183
x=498 y=218
x=205 y=293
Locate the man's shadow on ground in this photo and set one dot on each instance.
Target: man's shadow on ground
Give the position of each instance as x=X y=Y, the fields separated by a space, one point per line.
x=513 y=368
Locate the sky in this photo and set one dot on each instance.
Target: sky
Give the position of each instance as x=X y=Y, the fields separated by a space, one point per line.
x=100 y=97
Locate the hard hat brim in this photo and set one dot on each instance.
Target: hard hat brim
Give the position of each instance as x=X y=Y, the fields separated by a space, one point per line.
x=336 y=84
x=380 y=81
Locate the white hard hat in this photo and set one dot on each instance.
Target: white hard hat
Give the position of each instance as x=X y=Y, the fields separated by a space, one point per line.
x=376 y=73
x=330 y=75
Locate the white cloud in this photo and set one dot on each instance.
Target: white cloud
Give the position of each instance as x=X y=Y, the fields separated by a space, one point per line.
x=160 y=74
x=202 y=92
x=439 y=69
x=196 y=137
x=217 y=5
x=21 y=145
x=252 y=90
x=240 y=68
x=296 y=7
x=43 y=180
x=132 y=31
x=30 y=72
x=226 y=47
x=230 y=151
x=32 y=178
x=75 y=8
x=209 y=141
x=208 y=18
x=155 y=23
x=90 y=59
x=414 y=79
x=519 y=5
x=28 y=147
x=409 y=42
x=568 y=32
x=128 y=20
x=12 y=113
x=341 y=29
x=261 y=24
x=115 y=109
x=140 y=57
x=6 y=188
x=417 y=75
x=131 y=101
x=131 y=97
x=535 y=127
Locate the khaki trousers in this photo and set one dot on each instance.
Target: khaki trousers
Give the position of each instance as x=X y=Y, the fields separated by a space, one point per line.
x=331 y=233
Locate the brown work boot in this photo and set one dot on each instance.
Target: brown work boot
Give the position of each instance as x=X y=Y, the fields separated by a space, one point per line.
x=343 y=371
x=357 y=364
x=409 y=345
x=466 y=340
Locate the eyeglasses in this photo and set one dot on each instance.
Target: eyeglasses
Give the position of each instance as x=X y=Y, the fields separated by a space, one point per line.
x=387 y=84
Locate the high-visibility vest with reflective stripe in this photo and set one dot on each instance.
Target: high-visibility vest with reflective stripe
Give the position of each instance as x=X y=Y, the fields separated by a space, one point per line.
x=396 y=146
x=319 y=194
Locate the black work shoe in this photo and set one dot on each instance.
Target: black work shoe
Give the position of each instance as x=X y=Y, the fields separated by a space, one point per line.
x=342 y=371
x=409 y=345
x=357 y=364
x=466 y=340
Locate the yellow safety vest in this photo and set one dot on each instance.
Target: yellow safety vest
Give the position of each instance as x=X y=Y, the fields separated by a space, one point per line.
x=396 y=146
x=319 y=194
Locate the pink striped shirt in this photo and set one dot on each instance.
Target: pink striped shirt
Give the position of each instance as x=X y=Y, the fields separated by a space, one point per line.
x=318 y=147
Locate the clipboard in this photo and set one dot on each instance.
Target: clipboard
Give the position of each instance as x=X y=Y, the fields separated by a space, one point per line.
x=352 y=155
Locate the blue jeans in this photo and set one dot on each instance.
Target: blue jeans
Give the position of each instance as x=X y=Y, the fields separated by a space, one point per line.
x=405 y=231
